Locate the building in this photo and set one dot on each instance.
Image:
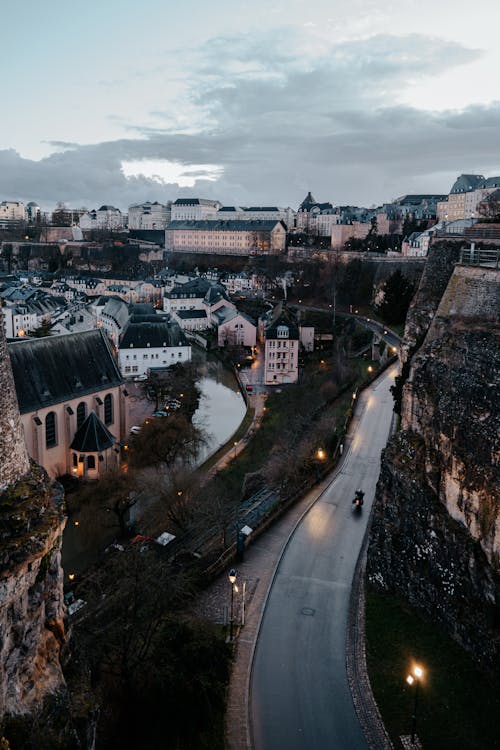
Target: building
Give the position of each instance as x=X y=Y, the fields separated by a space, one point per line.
x=341 y=233
x=232 y=237
x=193 y=209
x=11 y=213
x=103 y=218
x=55 y=400
x=281 y=349
x=308 y=210
x=149 y=342
x=467 y=192
x=149 y=216
x=234 y=328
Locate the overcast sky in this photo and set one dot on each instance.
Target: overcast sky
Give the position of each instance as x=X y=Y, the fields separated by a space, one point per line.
x=359 y=101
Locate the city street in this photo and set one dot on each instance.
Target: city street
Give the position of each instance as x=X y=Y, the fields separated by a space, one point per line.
x=299 y=694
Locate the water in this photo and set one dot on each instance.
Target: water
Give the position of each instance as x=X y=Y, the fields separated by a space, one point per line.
x=220 y=412
x=221 y=408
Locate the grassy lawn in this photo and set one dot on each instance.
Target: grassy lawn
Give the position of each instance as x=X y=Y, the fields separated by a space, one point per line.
x=458 y=705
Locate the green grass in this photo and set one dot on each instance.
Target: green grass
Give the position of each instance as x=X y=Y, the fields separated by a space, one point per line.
x=459 y=706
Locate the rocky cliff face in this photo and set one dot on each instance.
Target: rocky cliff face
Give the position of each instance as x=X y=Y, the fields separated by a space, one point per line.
x=31 y=590
x=14 y=461
x=436 y=530
x=31 y=594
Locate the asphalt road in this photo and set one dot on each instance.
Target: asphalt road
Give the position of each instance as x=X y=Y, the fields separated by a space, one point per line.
x=299 y=694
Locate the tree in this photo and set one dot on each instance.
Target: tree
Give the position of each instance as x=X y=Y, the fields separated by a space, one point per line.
x=169 y=442
x=171 y=383
x=44 y=329
x=397 y=293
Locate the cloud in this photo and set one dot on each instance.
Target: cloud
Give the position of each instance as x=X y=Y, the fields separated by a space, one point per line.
x=283 y=112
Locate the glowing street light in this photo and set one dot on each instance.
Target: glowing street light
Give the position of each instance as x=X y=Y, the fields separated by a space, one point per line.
x=321 y=454
x=414 y=679
x=370 y=368
x=232 y=580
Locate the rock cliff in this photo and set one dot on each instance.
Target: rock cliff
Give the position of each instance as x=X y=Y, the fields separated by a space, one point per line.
x=31 y=592
x=435 y=536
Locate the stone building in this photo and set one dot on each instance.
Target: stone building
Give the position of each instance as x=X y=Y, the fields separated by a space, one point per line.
x=59 y=381
x=233 y=237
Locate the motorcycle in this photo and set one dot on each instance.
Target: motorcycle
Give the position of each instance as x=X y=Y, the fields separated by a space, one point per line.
x=358 y=501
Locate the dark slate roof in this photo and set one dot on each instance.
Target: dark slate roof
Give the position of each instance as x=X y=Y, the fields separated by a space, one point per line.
x=228 y=209
x=109 y=208
x=308 y=201
x=155 y=335
x=194 y=202
x=59 y=368
x=141 y=308
x=230 y=225
x=467 y=182
x=283 y=319
x=419 y=198
x=194 y=288
x=93 y=436
x=491 y=182
x=187 y=314
x=262 y=208
x=215 y=293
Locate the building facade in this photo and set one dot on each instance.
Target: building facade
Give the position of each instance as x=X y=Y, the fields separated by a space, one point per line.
x=233 y=237
x=55 y=400
x=281 y=351
x=149 y=215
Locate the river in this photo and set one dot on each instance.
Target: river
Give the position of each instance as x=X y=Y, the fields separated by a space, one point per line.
x=220 y=412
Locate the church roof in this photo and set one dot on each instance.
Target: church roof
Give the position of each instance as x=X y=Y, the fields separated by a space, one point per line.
x=93 y=436
x=54 y=369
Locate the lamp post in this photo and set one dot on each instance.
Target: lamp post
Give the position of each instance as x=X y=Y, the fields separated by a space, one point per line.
x=232 y=578
x=414 y=679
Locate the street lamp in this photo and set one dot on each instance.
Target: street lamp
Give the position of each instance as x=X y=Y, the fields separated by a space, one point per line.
x=232 y=579
x=415 y=679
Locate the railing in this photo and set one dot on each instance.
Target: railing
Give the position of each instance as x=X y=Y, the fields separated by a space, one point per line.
x=471 y=256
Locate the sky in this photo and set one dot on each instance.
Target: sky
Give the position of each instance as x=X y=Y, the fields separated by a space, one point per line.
x=250 y=103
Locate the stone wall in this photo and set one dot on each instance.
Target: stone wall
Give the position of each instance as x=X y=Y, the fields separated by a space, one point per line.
x=436 y=531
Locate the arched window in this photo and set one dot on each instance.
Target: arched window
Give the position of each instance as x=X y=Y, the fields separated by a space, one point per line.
x=90 y=462
x=50 y=430
x=81 y=414
x=108 y=409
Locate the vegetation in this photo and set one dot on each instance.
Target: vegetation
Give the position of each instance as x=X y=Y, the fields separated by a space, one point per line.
x=397 y=294
x=457 y=701
x=159 y=675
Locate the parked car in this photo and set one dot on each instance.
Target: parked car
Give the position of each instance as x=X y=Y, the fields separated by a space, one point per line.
x=160 y=413
x=139 y=378
x=135 y=429
x=249 y=388
x=173 y=405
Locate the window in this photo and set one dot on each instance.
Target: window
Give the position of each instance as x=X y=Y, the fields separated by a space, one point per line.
x=81 y=414
x=90 y=462
x=50 y=430
x=75 y=460
x=108 y=409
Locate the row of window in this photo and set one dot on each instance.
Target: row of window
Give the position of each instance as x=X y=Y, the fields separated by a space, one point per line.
x=51 y=438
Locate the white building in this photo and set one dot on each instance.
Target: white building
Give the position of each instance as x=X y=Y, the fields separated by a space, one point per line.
x=11 y=211
x=147 y=344
x=193 y=209
x=103 y=218
x=149 y=215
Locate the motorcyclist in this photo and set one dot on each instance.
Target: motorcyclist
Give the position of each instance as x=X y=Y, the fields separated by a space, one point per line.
x=359 y=497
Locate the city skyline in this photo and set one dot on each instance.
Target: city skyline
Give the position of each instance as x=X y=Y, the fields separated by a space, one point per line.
x=249 y=104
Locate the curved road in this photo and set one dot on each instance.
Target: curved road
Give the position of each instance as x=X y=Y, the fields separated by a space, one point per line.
x=300 y=698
